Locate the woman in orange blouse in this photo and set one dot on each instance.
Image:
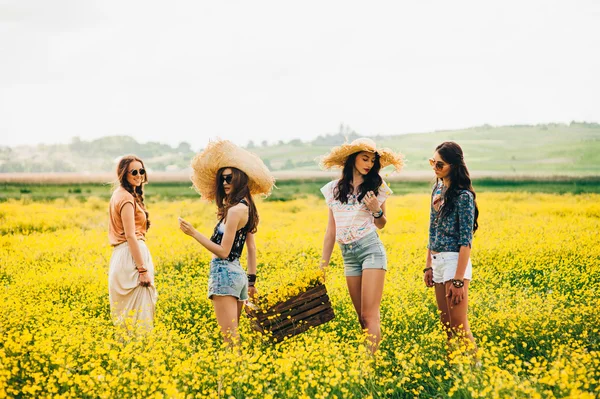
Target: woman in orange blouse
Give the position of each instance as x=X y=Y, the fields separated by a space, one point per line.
x=131 y=287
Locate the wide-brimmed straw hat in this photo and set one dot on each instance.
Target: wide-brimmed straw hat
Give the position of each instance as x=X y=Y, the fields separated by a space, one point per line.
x=338 y=155
x=222 y=154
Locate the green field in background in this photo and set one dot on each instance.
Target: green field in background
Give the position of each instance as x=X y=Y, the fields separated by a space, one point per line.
x=288 y=189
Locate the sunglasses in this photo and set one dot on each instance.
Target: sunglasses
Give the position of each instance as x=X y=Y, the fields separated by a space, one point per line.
x=439 y=165
x=226 y=178
x=134 y=172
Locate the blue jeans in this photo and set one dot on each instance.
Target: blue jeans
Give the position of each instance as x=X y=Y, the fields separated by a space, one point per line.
x=365 y=253
x=227 y=278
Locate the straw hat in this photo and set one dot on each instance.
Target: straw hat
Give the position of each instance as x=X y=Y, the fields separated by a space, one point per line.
x=221 y=154
x=338 y=155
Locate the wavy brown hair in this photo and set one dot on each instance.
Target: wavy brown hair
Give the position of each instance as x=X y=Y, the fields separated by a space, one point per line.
x=371 y=181
x=452 y=154
x=137 y=192
x=239 y=191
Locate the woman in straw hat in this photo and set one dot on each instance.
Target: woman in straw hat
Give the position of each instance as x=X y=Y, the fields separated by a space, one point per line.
x=356 y=210
x=229 y=175
x=131 y=274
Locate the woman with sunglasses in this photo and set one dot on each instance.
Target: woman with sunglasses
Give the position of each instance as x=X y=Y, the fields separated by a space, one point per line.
x=356 y=204
x=229 y=175
x=453 y=220
x=131 y=274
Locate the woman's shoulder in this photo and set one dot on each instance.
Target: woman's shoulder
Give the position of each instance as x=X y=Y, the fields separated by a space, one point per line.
x=329 y=186
x=462 y=192
x=465 y=195
x=384 y=185
x=240 y=207
x=384 y=189
x=120 y=194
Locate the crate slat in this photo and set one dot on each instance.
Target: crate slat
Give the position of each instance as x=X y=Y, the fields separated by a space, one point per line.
x=294 y=312
x=299 y=299
x=294 y=316
x=296 y=329
x=284 y=322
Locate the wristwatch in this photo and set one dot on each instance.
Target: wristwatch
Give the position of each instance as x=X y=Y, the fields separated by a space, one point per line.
x=458 y=283
x=378 y=214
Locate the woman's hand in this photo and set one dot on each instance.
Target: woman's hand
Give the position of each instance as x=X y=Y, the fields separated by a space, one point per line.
x=186 y=227
x=144 y=280
x=456 y=295
x=371 y=202
x=324 y=266
x=428 y=278
x=252 y=291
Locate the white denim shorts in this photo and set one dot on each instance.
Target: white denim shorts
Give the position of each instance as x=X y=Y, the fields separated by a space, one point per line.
x=444 y=267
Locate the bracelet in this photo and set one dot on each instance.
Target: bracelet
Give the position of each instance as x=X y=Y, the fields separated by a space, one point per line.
x=142 y=271
x=427 y=268
x=458 y=283
x=251 y=280
x=378 y=214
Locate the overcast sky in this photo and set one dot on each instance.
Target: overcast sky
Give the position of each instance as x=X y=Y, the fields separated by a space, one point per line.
x=268 y=70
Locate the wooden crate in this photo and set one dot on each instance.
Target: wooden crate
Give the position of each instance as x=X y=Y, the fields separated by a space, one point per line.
x=294 y=316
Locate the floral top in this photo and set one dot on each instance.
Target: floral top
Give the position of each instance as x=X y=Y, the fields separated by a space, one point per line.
x=454 y=230
x=238 y=241
x=353 y=220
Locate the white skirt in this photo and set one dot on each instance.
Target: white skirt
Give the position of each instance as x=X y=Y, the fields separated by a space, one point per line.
x=130 y=303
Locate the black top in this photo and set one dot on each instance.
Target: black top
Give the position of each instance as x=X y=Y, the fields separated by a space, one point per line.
x=238 y=242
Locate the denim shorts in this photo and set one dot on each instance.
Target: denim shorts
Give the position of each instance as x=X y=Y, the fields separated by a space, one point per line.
x=227 y=278
x=365 y=253
x=444 y=267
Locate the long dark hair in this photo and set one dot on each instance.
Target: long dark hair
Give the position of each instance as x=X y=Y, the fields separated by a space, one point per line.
x=138 y=191
x=371 y=181
x=452 y=154
x=239 y=191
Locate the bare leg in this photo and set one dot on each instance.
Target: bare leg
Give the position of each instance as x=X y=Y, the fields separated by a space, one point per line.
x=240 y=306
x=227 y=313
x=354 y=288
x=459 y=322
x=372 y=291
x=442 y=304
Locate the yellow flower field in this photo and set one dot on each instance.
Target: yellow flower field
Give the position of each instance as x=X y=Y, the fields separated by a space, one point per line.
x=534 y=307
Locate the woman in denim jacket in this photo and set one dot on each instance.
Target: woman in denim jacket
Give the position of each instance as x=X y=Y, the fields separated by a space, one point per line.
x=453 y=220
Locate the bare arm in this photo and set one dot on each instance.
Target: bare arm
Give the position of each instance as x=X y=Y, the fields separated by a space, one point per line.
x=463 y=260
x=428 y=276
x=234 y=215
x=251 y=248
x=373 y=206
x=128 y=218
x=328 y=241
x=381 y=221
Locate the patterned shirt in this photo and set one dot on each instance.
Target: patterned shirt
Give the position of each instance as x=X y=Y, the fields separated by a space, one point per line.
x=238 y=242
x=450 y=232
x=353 y=220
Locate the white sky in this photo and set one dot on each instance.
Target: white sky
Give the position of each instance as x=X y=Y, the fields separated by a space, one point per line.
x=268 y=70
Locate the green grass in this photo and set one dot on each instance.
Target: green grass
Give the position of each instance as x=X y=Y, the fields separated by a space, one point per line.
x=511 y=150
x=289 y=189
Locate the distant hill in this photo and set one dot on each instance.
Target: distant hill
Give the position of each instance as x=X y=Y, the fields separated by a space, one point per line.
x=572 y=149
